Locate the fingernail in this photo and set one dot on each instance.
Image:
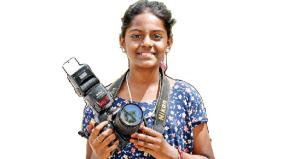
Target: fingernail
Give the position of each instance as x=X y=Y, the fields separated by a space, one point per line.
x=134 y=135
x=89 y=128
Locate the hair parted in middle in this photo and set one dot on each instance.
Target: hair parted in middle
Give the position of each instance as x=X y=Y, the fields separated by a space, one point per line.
x=159 y=9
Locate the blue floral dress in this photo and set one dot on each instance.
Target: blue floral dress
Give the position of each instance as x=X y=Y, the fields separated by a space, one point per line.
x=185 y=111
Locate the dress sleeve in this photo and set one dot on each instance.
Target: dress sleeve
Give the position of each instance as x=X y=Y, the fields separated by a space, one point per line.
x=198 y=113
x=87 y=116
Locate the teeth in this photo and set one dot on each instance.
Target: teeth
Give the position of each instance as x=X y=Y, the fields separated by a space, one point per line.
x=146 y=53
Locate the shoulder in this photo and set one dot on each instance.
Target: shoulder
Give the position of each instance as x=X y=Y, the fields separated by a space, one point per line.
x=185 y=91
x=183 y=86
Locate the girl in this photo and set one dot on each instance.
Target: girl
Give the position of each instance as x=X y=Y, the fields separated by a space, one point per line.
x=146 y=38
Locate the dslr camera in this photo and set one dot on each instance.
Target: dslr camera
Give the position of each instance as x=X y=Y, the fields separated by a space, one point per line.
x=124 y=120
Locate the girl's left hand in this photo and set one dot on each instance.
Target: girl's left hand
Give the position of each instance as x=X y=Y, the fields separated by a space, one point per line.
x=153 y=143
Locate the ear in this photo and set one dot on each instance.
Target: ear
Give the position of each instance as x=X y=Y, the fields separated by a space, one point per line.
x=121 y=41
x=170 y=42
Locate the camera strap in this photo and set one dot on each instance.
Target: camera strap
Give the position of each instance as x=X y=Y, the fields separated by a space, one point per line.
x=162 y=103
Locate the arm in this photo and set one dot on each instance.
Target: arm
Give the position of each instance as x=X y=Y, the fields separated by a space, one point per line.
x=154 y=143
x=89 y=152
x=98 y=145
x=202 y=143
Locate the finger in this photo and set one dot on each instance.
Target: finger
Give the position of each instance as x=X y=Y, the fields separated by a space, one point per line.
x=104 y=135
x=150 y=131
x=144 y=144
x=92 y=123
x=144 y=137
x=95 y=131
x=109 y=139
x=145 y=149
x=113 y=147
x=89 y=128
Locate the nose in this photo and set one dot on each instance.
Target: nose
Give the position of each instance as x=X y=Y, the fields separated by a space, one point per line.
x=147 y=42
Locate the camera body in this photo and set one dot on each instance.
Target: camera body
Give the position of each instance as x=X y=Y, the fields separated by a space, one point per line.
x=124 y=120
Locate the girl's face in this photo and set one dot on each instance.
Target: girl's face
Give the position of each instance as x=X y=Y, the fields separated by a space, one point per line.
x=145 y=41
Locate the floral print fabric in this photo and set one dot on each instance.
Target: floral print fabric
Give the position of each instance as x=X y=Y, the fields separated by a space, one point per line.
x=185 y=111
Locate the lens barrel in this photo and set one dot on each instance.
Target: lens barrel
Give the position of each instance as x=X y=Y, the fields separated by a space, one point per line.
x=128 y=119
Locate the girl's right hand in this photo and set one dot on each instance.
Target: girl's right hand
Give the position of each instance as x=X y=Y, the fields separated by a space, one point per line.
x=100 y=143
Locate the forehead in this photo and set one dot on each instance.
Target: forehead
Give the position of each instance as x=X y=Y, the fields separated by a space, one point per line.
x=146 y=22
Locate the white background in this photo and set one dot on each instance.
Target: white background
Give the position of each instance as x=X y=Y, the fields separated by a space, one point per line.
x=231 y=51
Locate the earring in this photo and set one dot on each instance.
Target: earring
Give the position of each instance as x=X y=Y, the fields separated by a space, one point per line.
x=164 y=64
x=167 y=50
x=123 y=50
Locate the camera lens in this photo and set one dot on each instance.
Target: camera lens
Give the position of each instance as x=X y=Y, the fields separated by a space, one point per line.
x=131 y=115
x=129 y=119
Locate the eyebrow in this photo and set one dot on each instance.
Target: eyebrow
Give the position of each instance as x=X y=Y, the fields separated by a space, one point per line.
x=142 y=31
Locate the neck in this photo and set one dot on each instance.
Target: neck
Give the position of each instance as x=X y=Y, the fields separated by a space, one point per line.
x=144 y=76
x=142 y=84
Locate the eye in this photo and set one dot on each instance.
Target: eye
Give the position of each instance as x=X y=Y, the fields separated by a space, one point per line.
x=157 y=36
x=135 y=36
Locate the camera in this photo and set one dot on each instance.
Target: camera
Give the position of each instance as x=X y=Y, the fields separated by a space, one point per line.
x=124 y=120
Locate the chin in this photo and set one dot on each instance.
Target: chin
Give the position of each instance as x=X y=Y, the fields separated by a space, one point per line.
x=147 y=65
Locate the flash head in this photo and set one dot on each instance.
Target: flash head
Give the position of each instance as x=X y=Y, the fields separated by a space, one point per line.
x=80 y=76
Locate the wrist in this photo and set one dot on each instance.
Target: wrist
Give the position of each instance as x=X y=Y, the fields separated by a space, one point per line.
x=172 y=153
x=175 y=154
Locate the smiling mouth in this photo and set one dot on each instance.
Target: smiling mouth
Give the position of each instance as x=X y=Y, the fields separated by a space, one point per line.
x=146 y=53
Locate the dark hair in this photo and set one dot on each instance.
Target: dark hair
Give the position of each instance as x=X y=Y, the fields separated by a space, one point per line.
x=159 y=9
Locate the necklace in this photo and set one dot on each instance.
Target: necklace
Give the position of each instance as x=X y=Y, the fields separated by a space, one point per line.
x=129 y=91
x=128 y=88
